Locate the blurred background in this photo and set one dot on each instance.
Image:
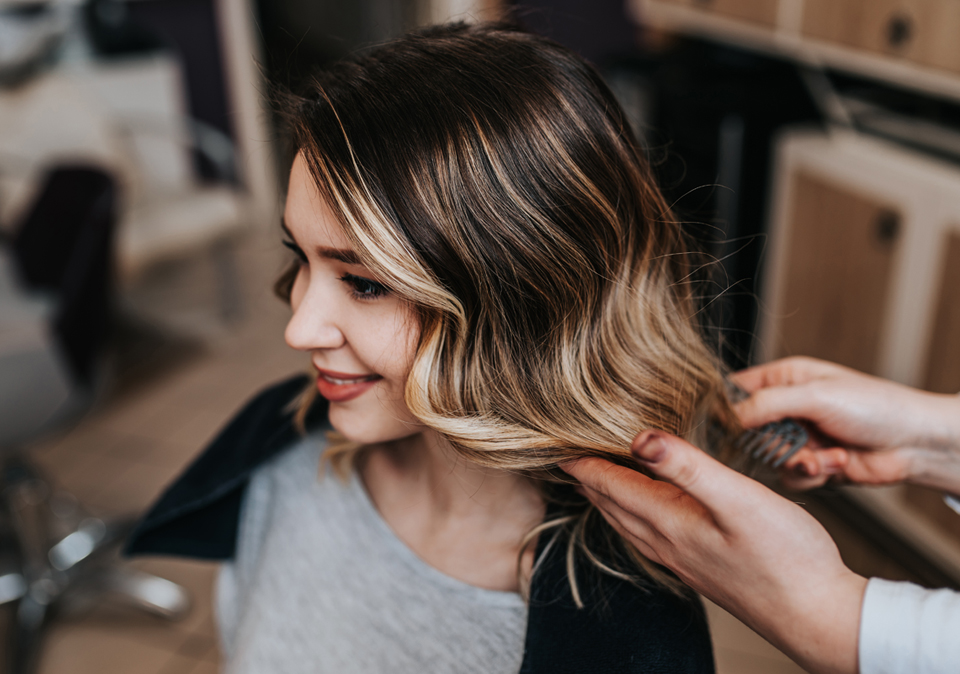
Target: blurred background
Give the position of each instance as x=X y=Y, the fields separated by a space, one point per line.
x=812 y=145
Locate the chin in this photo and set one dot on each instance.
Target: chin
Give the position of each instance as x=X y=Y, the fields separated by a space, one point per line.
x=370 y=429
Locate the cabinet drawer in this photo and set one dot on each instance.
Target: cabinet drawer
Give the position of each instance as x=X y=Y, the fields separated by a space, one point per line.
x=937 y=42
x=839 y=21
x=943 y=355
x=926 y=32
x=756 y=11
x=841 y=248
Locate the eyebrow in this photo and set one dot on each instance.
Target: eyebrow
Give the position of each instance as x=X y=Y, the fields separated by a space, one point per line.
x=345 y=255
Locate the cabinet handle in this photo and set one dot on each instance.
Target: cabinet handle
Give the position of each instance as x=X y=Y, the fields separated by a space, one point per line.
x=886 y=227
x=899 y=30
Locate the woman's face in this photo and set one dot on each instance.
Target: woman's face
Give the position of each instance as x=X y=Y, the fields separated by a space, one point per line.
x=360 y=337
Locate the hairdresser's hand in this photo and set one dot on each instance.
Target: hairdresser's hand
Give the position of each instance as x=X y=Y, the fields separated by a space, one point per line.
x=761 y=557
x=864 y=429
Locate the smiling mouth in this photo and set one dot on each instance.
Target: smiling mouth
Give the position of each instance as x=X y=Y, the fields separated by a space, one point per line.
x=339 y=387
x=340 y=381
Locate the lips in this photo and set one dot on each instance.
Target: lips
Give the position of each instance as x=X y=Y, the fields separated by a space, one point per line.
x=338 y=387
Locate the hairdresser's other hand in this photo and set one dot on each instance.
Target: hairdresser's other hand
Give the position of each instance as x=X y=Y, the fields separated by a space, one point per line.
x=761 y=557
x=865 y=429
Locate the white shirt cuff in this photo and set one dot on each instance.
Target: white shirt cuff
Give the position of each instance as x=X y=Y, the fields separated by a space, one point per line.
x=907 y=629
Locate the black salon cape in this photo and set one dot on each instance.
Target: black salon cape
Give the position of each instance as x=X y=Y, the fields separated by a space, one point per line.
x=621 y=629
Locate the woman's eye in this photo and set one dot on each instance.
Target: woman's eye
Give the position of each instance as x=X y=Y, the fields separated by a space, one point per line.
x=296 y=250
x=364 y=288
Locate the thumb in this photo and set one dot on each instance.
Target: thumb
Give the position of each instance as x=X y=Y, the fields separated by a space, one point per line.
x=694 y=471
x=775 y=403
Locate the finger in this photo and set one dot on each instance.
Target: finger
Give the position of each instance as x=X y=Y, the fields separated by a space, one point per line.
x=664 y=504
x=798 y=471
x=649 y=504
x=696 y=473
x=634 y=529
x=883 y=467
x=775 y=403
x=809 y=462
x=802 y=478
x=814 y=468
x=607 y=478
x=802 y=460
x=784 y=372
x=833 y=461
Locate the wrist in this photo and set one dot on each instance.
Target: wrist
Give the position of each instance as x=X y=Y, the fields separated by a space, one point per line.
x=822 y=632
x=935 y=462
x=942 y=421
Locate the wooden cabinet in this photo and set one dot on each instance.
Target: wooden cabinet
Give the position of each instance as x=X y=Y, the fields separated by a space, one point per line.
x=865 y=261
x=939 y=45
x=864 y=269
x=913 y=43
x=846 y=22
x=926 y=32
x=841 y=249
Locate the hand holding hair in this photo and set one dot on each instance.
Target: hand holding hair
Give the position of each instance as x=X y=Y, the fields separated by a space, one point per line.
x=759 y=556
x=866 y=429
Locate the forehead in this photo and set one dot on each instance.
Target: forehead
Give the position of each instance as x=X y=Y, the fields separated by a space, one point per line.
x=307 y=215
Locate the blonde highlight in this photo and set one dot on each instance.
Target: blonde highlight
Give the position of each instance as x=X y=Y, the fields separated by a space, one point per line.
x=551 y=281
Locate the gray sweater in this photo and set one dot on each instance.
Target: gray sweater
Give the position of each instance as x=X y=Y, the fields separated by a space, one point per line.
x=320 y=583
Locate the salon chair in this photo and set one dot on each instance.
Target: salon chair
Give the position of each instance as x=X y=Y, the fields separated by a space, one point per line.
x=55 y=293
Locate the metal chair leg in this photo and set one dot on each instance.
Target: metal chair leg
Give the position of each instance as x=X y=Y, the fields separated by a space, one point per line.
x=27 y=635
x=147 y=592
x=12 y=587
x=77 y=570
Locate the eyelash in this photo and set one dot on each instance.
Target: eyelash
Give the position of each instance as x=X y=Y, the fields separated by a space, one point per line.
x=361 y=288
x=296 y=250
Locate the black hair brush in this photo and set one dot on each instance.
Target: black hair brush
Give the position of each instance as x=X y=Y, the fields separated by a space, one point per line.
x=771 y=444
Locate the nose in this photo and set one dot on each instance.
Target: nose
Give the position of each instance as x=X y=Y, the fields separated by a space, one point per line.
x=313 y=325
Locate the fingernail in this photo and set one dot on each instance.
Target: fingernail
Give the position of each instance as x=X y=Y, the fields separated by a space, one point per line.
x=649 y=447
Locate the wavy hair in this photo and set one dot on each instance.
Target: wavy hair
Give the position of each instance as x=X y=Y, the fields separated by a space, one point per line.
x=491 y=180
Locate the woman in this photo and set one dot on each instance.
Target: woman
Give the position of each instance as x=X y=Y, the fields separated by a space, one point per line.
x=487 y=283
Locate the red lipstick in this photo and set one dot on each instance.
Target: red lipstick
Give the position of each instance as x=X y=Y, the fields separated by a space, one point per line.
x=338 y=387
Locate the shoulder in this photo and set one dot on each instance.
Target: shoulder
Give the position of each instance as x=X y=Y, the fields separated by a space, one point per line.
x=198 y=514
x=621 y=628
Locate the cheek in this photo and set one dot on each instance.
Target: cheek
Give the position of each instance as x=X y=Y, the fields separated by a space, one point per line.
x=397 y=342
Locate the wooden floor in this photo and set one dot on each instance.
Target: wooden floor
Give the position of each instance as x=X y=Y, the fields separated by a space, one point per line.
x=168 y=403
